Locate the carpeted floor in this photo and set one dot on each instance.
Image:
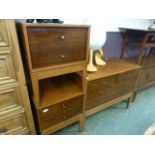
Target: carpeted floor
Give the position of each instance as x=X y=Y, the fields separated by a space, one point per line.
x=117 y=120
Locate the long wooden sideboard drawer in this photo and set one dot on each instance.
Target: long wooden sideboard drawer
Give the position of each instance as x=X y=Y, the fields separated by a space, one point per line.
x=59 y=112
x=105 y=89
x=56 y=45
x=9 y=97
x=98 y=87
x=12 y=124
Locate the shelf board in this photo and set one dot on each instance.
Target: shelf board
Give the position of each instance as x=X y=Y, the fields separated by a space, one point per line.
x=112 y=67
x=57 y=89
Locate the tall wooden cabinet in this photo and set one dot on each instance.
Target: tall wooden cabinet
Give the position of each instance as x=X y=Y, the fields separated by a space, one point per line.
x=56 y=57
x=15 y=110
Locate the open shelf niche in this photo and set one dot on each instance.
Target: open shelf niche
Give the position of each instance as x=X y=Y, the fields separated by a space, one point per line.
x=60 y=88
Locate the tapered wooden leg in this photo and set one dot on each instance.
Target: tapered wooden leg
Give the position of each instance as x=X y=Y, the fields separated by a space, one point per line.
x=82 y=123
x=129 y=102
x=134 y=96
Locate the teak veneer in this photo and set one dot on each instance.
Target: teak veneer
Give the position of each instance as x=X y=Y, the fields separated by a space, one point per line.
x=56 y=57
x=110 y=84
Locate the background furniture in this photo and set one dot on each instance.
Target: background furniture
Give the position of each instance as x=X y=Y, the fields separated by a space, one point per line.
x=56 y=56
x=111 y=84
x=15 y=110
x=145 y=40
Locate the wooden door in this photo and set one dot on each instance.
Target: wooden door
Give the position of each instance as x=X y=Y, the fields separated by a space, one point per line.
x=3 y=34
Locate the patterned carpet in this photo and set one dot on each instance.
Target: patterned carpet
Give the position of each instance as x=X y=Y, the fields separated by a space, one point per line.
x=117 y=120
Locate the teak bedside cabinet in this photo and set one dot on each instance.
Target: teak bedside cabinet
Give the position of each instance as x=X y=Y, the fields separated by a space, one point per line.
x=56 y=56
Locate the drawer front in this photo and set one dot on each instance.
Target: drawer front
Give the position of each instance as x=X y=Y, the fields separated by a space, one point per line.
x=23 y=131
x=7 y=71
x=3 y=34
x=100 y=87
x=60 y=112
x=146 y=76
x=126 y=81
x=9 y=98
x=12 y=124
x=52 y=46
x=105 y=89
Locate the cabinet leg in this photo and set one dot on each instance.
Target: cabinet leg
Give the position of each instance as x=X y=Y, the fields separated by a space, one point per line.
x=82 y=123
x=129 y=102
x=131 y=99
x=134 y=96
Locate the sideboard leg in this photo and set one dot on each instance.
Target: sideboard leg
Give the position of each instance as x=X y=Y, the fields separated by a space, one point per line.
x=134 y=96
x=82 y=123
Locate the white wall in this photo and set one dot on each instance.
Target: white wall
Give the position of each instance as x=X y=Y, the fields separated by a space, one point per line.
x=114 y=24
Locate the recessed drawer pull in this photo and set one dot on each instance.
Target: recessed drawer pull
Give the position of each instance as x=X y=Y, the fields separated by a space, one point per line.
x=45 y=110
x=63 y=106
x=101 y=92
x=127 y=84
x=147 y=76
x=62 y=37
x=62 y=56
x=3 y=130
x=64 y=116
x=130 y=74
x=103 y=82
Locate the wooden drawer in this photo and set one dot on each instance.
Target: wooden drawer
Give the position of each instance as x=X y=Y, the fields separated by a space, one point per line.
x=59 y=112
x=23 y=131
x=9 y=97
x=7 y=72
x=12 y=124
x=146 y=76
x=56 y=45
x=100 y=86
x=105 y=89
x=127 y=80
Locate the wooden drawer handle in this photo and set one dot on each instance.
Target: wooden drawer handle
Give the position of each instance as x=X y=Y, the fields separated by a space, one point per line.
x=45 y=110
x=3 y=130
x=64 y=117
x=130 y=74
x=103 y=82
x=102 y=92
x=63 y=106
x=147 y=76
x=127 y=83
x=62 y=37
x=62 y=56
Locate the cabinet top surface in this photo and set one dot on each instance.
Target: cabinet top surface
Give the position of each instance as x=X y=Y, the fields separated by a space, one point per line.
x=112 y=67
x=137 y=29
x=52 y=25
